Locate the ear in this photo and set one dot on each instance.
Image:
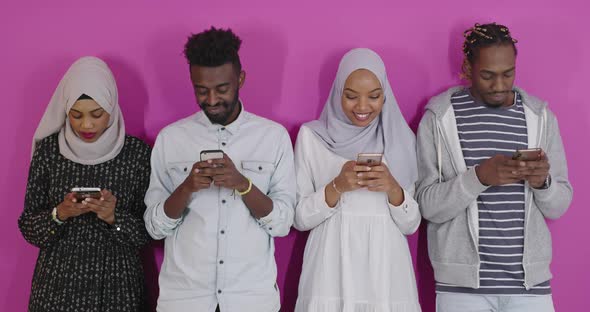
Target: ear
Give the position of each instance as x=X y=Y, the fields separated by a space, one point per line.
x=241 y=79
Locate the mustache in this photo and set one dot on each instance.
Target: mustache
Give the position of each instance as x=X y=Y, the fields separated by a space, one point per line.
x=206 y=104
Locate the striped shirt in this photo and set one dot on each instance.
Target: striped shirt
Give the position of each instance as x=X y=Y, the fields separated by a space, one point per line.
x=484 y=132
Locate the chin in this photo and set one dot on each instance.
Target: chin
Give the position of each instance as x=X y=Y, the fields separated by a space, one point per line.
x=493 y=104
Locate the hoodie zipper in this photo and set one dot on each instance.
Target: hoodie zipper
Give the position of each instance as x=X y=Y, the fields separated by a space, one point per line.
x=442 y=138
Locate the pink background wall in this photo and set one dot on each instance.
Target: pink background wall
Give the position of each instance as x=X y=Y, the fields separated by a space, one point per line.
x=290 y=52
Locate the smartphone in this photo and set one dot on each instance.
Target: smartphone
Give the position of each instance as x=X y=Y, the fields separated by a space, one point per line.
x=81 y=193
x=369 y=159
x=531 y=154
x=211 y=154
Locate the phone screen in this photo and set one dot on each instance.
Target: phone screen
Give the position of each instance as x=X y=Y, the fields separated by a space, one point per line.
x=211 y=154
x=369 y=159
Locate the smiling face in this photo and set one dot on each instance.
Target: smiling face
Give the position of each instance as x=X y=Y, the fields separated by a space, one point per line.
x=362 y=97
x=217 y=91
x=88 y=120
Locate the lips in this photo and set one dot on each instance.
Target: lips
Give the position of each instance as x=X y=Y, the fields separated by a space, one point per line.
x=88 y=135
x=214 y=109
x=361 y=116
x=498 y=96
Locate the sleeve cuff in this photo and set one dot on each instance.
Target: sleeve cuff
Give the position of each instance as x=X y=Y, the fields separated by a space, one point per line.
x=472 y=184
x=162 y=217
x=266 y=221
x=403 y=206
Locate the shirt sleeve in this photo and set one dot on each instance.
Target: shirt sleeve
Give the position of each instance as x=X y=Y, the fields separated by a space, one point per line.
x=407 y=214
x=157 y=223
x=281 y=191
x=129 y=227
x=36 y=223
x=312 y=209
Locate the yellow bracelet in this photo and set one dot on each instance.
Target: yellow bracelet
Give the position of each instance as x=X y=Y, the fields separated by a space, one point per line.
x=247 y=190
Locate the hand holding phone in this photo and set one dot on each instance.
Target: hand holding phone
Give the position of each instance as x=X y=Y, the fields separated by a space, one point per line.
x=71 y=207
x=103 y=206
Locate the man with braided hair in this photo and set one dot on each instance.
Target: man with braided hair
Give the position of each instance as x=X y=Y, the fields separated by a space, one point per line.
x=488 y=240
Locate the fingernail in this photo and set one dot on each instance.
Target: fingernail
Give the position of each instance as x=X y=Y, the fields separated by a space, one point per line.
x=522 y=164
x=87 y=199
x=359 y=174
x=196 y=170
x=368 y=168
x=209 y=161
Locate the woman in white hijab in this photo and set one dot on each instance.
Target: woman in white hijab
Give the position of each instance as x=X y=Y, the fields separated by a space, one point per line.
x=88 y=248
x=357 y=257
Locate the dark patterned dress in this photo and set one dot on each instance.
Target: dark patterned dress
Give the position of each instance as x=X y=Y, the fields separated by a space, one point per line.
x=86 y=264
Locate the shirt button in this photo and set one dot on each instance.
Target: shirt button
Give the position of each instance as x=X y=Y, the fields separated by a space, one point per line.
x=259 y=167
x=222 y=232
x=219 y=291
x=184 y=169
x=223 y=201
x=222 y=128
x=223 y=143
x=220 y=261
x=270 y=229
x=118 y=228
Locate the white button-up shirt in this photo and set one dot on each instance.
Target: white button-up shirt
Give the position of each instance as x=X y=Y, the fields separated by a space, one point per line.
x=217 y=252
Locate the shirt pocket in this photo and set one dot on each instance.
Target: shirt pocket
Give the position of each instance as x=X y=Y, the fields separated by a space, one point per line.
x=178 y=171
x=259 y=172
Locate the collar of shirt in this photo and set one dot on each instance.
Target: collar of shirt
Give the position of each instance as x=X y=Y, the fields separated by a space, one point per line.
x=232 y=128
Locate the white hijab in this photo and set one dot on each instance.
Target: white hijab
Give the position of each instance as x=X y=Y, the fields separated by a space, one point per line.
x=389 y=133
x=91 y=76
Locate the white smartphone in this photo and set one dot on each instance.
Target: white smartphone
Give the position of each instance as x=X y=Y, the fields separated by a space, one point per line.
x=211 y=154
x=369 y=159
x=81 y=193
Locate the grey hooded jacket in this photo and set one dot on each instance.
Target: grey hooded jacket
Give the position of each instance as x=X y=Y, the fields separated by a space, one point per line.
x=447 y=192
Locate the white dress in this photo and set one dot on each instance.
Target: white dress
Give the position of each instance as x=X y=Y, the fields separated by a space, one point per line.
x=356 y=257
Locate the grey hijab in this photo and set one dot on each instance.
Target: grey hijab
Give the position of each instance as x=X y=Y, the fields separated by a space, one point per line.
x=388 y=133
x=91 y=76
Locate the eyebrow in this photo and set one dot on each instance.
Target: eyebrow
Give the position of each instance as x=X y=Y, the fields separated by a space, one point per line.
x=349 y=89
x=491 y=72
x=217 y=86
x=92 y=111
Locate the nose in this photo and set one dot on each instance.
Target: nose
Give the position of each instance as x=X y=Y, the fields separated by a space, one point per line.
x=87 y=123
x=498 y=85
x=211 y=98
x=362 y=103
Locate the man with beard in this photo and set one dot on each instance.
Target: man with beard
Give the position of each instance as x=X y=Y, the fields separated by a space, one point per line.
x=219 y=216
x=486 y=203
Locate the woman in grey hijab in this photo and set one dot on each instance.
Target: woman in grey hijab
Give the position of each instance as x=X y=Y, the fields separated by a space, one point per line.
x=88 y=248
x=357 y=257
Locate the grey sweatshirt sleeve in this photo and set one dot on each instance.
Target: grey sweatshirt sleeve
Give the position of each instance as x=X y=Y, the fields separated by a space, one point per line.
x=555 y=200
x=441 y=201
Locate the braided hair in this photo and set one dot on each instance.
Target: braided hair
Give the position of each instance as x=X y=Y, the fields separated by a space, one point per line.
x=482 y=36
